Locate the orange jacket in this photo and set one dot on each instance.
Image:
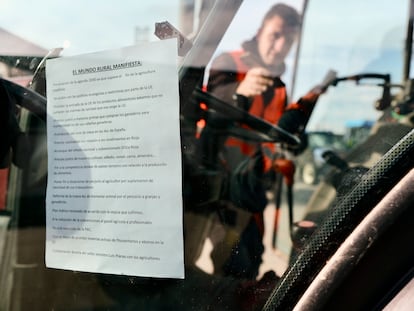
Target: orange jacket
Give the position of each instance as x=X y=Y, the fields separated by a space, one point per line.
x=261 y=107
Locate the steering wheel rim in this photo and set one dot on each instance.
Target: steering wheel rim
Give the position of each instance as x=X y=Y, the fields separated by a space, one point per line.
x=259 y=130
x=26 y=98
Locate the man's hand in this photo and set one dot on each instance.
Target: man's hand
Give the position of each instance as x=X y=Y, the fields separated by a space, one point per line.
x=256 y=82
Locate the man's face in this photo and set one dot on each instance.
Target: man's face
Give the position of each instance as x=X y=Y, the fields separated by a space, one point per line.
x=274 y=40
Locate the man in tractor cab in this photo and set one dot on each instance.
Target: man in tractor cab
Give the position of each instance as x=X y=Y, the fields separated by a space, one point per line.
x=249 y=78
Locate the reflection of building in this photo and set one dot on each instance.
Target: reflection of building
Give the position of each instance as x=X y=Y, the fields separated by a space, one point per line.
x=18 y=57
x=193 y=15
x=141 y=34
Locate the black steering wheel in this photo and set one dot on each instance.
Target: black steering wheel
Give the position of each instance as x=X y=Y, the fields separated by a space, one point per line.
x=11 y=96
x=258 y=129
x=25 y=98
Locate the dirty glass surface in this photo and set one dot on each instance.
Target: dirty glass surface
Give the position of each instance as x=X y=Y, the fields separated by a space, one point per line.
x=246 y=219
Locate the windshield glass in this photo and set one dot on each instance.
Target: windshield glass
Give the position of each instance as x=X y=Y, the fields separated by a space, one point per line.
x=180 y=154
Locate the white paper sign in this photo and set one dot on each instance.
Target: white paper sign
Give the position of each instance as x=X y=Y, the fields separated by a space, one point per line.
x=114 y=195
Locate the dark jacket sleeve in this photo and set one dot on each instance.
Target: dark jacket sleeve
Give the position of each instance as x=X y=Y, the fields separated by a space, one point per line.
x=222 y=80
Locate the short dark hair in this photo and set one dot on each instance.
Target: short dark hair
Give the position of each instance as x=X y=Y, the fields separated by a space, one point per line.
x=291 y=17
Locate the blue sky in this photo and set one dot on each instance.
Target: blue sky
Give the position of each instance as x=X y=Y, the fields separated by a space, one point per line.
x=347 y=36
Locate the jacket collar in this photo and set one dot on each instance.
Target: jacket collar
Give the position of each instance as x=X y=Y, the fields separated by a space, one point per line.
x=252 y=58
